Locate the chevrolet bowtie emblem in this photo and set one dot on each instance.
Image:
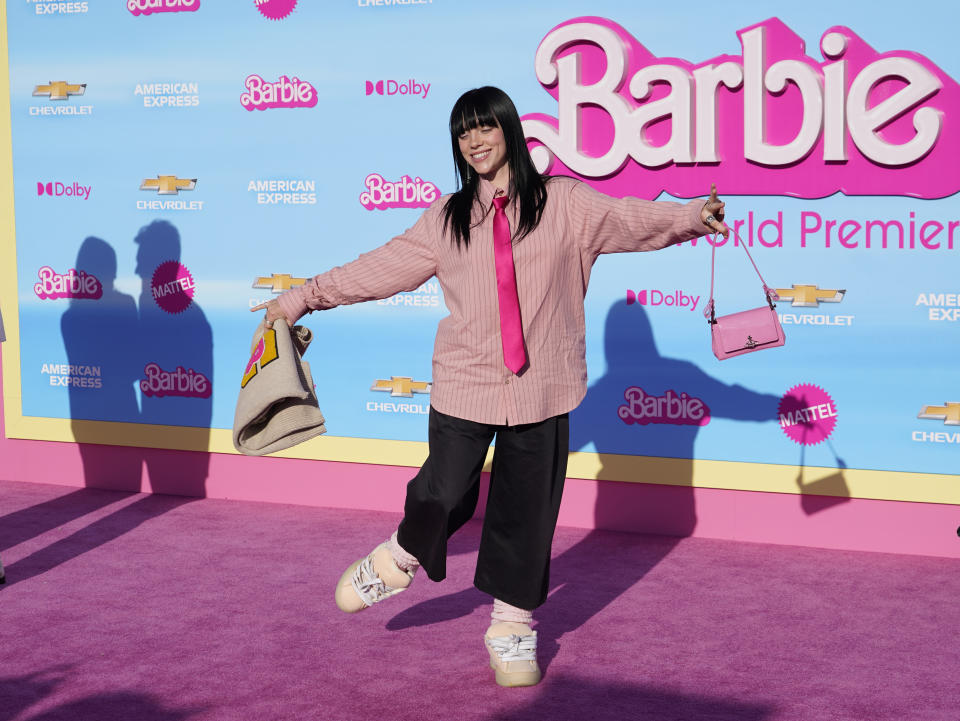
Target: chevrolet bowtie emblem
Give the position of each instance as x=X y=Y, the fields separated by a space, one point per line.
x=168 y=184
x=278 y=282
x=809 y=296
x=59 y=89
x=402 y=386
x=949 y=413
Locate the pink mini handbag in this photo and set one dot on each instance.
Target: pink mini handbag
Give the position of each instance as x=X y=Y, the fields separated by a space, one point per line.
x=748 y=330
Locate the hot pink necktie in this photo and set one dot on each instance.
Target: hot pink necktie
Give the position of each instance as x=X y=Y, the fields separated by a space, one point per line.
x=511 y=331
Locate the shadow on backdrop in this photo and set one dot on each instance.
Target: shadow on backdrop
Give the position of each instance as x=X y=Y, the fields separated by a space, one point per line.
x=103 y=334
x=585 y=587
x=176 y=342
x=826 y=491
x=122 y=339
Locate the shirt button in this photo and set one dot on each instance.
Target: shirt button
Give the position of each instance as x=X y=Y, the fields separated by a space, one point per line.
x=505 y=382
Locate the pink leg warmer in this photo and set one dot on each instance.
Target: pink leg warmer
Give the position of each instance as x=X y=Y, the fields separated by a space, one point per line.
x=404 y=560
x=505 y=612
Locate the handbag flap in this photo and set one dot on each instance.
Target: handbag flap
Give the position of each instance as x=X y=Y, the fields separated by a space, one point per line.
x=748 y=329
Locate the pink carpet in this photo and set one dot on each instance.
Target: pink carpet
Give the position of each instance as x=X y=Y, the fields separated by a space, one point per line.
x=156 y=608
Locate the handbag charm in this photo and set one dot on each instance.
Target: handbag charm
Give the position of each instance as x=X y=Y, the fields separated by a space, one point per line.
x=747 y=331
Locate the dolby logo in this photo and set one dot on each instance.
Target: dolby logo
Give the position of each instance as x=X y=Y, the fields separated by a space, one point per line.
x=63 y=190
x=398 y=87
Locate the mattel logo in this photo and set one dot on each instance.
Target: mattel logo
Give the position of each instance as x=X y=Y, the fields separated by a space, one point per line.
x=396 y=87
x=57 y=190
x=275 y=9
x=673 y=299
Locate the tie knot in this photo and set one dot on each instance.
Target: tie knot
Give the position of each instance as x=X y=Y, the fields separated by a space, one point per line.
x=500 y=201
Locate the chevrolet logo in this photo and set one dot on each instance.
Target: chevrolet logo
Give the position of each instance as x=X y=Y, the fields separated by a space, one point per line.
x=168 y=184
x=949 y=413
x=278 y=282
x=809 y=296
x=402 y=386
x=59 y=90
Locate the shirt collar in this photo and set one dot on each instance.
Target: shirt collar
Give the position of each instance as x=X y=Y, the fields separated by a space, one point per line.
x=486 y=190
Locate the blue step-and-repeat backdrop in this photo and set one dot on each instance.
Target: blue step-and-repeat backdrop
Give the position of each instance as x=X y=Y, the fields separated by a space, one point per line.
x=176 y=162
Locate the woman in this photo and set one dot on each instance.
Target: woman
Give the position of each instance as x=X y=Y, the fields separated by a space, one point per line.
x=508 y=360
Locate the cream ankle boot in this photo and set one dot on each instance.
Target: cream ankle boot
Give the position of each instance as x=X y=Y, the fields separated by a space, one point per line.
x=370 y=580
x=513 y=653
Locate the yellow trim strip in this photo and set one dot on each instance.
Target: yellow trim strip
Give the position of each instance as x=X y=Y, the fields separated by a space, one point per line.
x=8 y=250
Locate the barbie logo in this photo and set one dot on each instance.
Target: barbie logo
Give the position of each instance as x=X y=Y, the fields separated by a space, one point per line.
x=673 y=408
x=181 y=382
x=72 y=284
x=404 y=193
x=772 y=120
x=147 y=7
x=284 y=93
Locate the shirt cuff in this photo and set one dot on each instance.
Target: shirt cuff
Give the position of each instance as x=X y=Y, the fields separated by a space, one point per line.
x=701 y=228
x=292 y=304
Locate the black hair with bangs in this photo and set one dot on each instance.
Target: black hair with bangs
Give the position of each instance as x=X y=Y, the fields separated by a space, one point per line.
x=491 y=106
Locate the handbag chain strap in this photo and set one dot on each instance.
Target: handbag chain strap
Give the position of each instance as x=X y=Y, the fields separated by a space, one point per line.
x=770 y=294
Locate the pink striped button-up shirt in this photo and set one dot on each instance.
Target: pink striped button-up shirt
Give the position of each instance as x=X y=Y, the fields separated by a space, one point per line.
x=553 y=266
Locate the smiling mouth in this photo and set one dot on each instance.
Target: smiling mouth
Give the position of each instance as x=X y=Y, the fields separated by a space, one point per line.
x=480 y=156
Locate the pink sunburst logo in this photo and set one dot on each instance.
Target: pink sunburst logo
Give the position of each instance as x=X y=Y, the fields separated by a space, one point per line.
x=807 y=414
x=275 y=9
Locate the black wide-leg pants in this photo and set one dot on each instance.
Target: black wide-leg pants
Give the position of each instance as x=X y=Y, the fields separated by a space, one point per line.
x=526 y=484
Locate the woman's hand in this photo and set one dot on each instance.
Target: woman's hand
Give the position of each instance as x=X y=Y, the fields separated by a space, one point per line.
x=274 y=312
x=712 y=213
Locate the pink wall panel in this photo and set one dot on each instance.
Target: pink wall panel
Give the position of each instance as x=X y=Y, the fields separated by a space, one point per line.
x=839 y=523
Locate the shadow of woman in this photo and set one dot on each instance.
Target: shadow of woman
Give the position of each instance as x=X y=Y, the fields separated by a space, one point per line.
x=607 y=420
x=98 y=334
x=123 y=342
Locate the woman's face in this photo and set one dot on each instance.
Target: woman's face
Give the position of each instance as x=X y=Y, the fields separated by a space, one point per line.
x=485 y=150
